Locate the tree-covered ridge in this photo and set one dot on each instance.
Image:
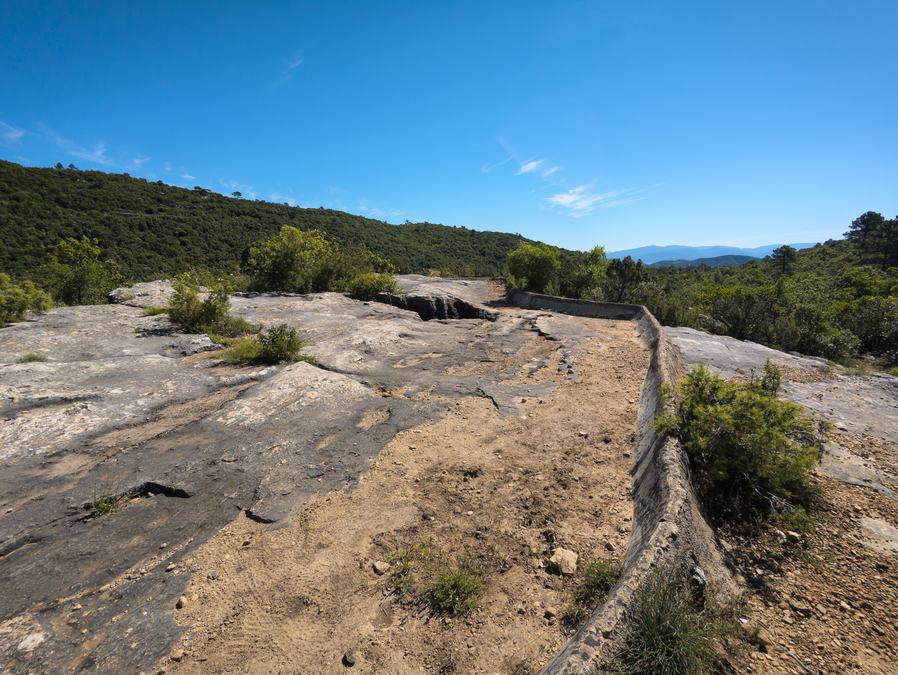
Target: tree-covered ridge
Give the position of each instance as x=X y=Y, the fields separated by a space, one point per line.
x=153 y=229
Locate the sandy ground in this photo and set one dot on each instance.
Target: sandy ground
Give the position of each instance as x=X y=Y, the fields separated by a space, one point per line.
x=499 y=492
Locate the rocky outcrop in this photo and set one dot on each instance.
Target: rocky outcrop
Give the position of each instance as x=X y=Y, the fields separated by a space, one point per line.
x=669 y=532
x=442 y=299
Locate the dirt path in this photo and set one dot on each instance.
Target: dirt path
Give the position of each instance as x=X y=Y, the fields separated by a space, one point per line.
x=500 y=492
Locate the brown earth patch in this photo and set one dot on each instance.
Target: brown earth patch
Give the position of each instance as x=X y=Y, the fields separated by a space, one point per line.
x=499 y=493
x=829 y=601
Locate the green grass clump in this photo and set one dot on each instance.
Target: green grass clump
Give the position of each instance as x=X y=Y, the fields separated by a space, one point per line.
x=104 y=506
x=668 y=633
x=596 y=579
x=31 y=357
x=750 y=453
x=154 y=311
x=277 y=345
x=456 y=590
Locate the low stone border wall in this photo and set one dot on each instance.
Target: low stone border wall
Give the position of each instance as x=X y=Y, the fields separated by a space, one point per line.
x=669 y=532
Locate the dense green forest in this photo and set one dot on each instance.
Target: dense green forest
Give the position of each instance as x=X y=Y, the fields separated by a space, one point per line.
x=154 y=230
x=838 y=299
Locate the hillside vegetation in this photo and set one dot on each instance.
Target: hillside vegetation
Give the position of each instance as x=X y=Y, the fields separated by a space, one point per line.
x=153 y=230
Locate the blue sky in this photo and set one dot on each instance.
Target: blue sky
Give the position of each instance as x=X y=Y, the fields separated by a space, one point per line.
x=579 y=123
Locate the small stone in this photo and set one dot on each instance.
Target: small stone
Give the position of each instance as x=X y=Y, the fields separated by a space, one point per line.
x=348 y=658
x=764 y=638
x=380 y=567
x=606 y=438
x=793 y=537
x=181 y=603
x=76 y=607
x=800 y=608
x=563 y=561
x=550 y=613
x=177 y=655
x=163 y=544
x=609 y=546
x=171 y=567
x=213 y=575
x=583 y=434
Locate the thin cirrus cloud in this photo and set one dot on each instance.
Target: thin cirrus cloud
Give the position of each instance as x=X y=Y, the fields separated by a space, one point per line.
x=10 y=133
x=286 y=72
x=96 y=155
x=530 y=166
x=551 y=170
x=581 y=200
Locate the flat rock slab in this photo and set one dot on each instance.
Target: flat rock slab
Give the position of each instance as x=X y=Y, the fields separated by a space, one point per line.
x=865 y=404
x=182 y=445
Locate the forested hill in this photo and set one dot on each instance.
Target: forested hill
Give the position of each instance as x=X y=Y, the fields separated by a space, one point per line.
x=154 y=229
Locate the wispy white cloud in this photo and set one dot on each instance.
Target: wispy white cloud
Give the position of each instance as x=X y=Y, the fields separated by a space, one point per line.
x=374 y=212
x=530 y=166
x=168 y=167
x=287 y=70
x=548 y=172
x=138 y=161
x=11 y=134
x=283 y=199
x=236 y=186
x=486 y=168
x=96 y=155
x=186 y=175
x=582 y=200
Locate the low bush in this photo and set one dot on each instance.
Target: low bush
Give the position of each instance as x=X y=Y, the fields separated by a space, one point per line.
x=668 y=631
x=750 y=453
x=31 y=357
x=456 y=590
x=154 y=311
x=278 y=344
x=19 y=298
x=211 y=316
x=597 y=578
x=367 y=285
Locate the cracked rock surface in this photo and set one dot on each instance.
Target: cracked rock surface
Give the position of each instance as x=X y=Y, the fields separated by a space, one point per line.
x=127 y=409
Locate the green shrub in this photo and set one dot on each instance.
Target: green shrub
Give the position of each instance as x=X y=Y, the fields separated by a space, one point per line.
x=456 y=590
x=31 y=357
x=292 y=260
x=367 y=285
x=17 y=299
x=749 y=452
x=154 y=311
x=667 y=632
x=211 y=315
x=797 y=519
x=596 y=579
x=280 y=343
x=533 y=266
x=78 y=275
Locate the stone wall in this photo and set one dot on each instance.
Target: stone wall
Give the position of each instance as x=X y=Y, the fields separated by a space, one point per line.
x=669 y=532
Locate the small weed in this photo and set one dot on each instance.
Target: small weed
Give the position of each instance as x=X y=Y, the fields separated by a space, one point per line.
x=104 y=506
x=597 y=578
x=796 y=519
x=31 y=357
x=154 y=310
x=456 y=590
x=402 y=567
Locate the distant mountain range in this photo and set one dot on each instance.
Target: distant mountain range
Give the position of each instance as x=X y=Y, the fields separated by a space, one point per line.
x=654 y=254
x=716 y=261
